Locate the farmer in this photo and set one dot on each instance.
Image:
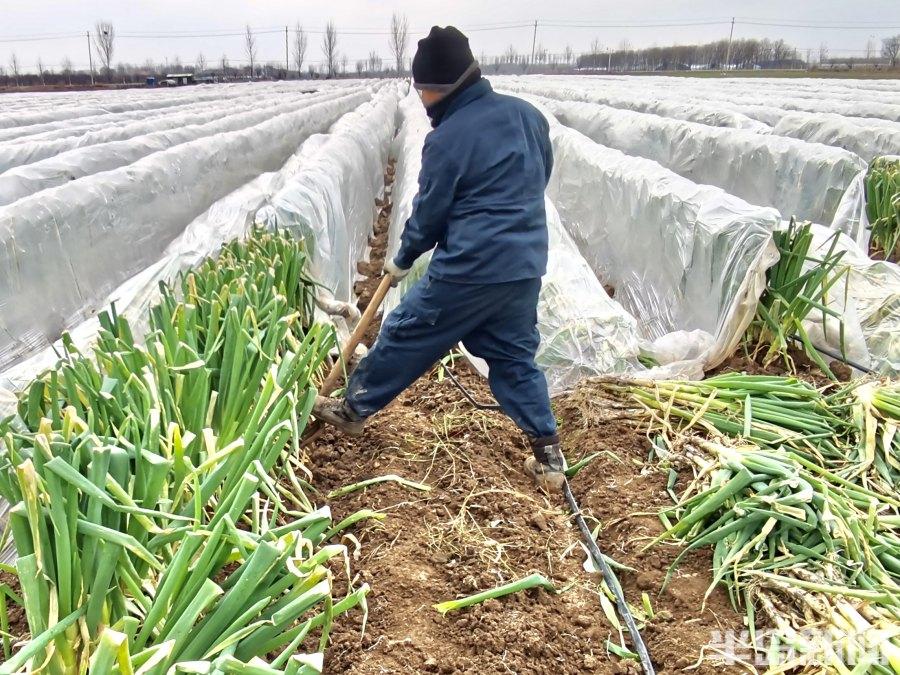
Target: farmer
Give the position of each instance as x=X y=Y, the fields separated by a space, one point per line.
x=480 y=205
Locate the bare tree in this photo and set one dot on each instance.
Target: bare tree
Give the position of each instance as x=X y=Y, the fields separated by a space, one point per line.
x=40 y=66
x=823 y=52
x=223 y=64
x=375 y=62
x=870 y=49
x=360 y=67
x=568 y=54
x=14 y=67
x=67 y=69
x=511 y=55
x=200 y=66
x=104 y=43
x=343 y=63
x=329 y=49
x=250 y=48
x=399 y=30
x=312 y=70
x=299 y=48
x=890 y=49
x=596 y=47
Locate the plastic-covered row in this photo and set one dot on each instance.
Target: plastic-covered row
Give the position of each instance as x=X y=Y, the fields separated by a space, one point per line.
x=646 y=101
x=797 y=178
x=65 y=249
x=34 y=148
x=88 y=160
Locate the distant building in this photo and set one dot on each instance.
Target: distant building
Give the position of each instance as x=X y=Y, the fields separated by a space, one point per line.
x=179 y=79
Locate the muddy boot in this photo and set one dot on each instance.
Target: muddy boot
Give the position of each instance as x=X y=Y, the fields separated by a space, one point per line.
x=547 y=465
x=337 y=413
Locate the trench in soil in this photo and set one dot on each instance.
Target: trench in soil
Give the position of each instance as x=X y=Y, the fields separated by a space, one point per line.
x=484 y=523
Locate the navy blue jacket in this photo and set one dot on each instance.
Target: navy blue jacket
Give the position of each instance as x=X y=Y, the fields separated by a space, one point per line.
x=481 y=192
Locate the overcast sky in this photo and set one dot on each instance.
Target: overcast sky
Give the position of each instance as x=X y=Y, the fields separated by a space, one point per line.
x=846 y=26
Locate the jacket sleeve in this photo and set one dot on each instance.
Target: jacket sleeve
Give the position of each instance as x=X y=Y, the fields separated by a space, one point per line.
x=428 y=223
x=547 y=149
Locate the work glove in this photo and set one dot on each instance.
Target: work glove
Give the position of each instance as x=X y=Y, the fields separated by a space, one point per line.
x=397 y=273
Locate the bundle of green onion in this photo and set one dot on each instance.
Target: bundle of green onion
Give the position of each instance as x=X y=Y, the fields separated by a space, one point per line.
x=795 y=490
x=797 y=285
x=150 y=531
x=883 y=207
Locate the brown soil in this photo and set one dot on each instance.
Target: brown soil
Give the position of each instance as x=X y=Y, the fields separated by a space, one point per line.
x=804 y=368
x=18 y=623
x=483 y=523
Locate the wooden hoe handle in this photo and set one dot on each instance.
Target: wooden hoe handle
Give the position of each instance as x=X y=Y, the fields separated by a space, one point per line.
x=330 y=383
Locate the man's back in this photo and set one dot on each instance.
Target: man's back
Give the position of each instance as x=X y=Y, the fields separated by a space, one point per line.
x=484 y=171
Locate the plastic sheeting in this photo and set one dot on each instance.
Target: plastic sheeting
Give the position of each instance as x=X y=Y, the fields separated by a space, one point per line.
x=851 y=217
x=69 y=166
x=868 y=301
x=569 y=89
x=868 y=142
x=227 y=219
x=583 y=331
x=64 y=250
x=124 y=102
x=331 y=201
x=797 y=178
x=32 y=149
x=815 y=98
x=687 y=260
x=78 y=125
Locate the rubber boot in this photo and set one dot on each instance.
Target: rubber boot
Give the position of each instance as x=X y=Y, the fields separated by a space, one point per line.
x=337 y=413
x=547 y=466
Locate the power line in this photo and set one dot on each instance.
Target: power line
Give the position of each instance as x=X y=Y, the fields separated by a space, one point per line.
x=487 y=27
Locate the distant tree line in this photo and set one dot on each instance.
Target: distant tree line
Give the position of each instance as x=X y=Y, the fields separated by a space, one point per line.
x=744 y=53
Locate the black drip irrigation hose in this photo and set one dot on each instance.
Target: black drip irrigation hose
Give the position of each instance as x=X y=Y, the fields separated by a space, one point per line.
x=610 y=580
x=837 y=357
x=599 y=560
x=467 y=395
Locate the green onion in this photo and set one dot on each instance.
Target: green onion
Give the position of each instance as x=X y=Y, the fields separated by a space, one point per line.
x=524 y=584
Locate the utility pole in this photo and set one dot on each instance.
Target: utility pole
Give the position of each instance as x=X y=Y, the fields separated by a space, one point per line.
x=287 y=58
x=90 y=58
x=728 y=52
x=533 y=40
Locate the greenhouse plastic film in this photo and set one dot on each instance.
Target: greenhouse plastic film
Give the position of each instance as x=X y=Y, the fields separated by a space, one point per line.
x=331 y=201
x=64 y=250
x=852 y=217
x=868 y=142
x=113 y=103
x=20 y=152
x=227 y=219
x=74 y=126
x=22 y=181
x=806 y=180
x=649 y=102
x=583 y=331
x=688 y=261
x=868 y=302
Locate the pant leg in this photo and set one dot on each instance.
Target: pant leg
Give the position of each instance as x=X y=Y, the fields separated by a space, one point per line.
x=432 y=317
x=508 y=341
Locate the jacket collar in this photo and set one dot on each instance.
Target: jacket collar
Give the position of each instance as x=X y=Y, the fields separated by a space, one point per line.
x=445 y=108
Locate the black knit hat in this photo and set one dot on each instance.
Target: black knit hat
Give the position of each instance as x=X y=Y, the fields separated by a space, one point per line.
x=443 y=60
